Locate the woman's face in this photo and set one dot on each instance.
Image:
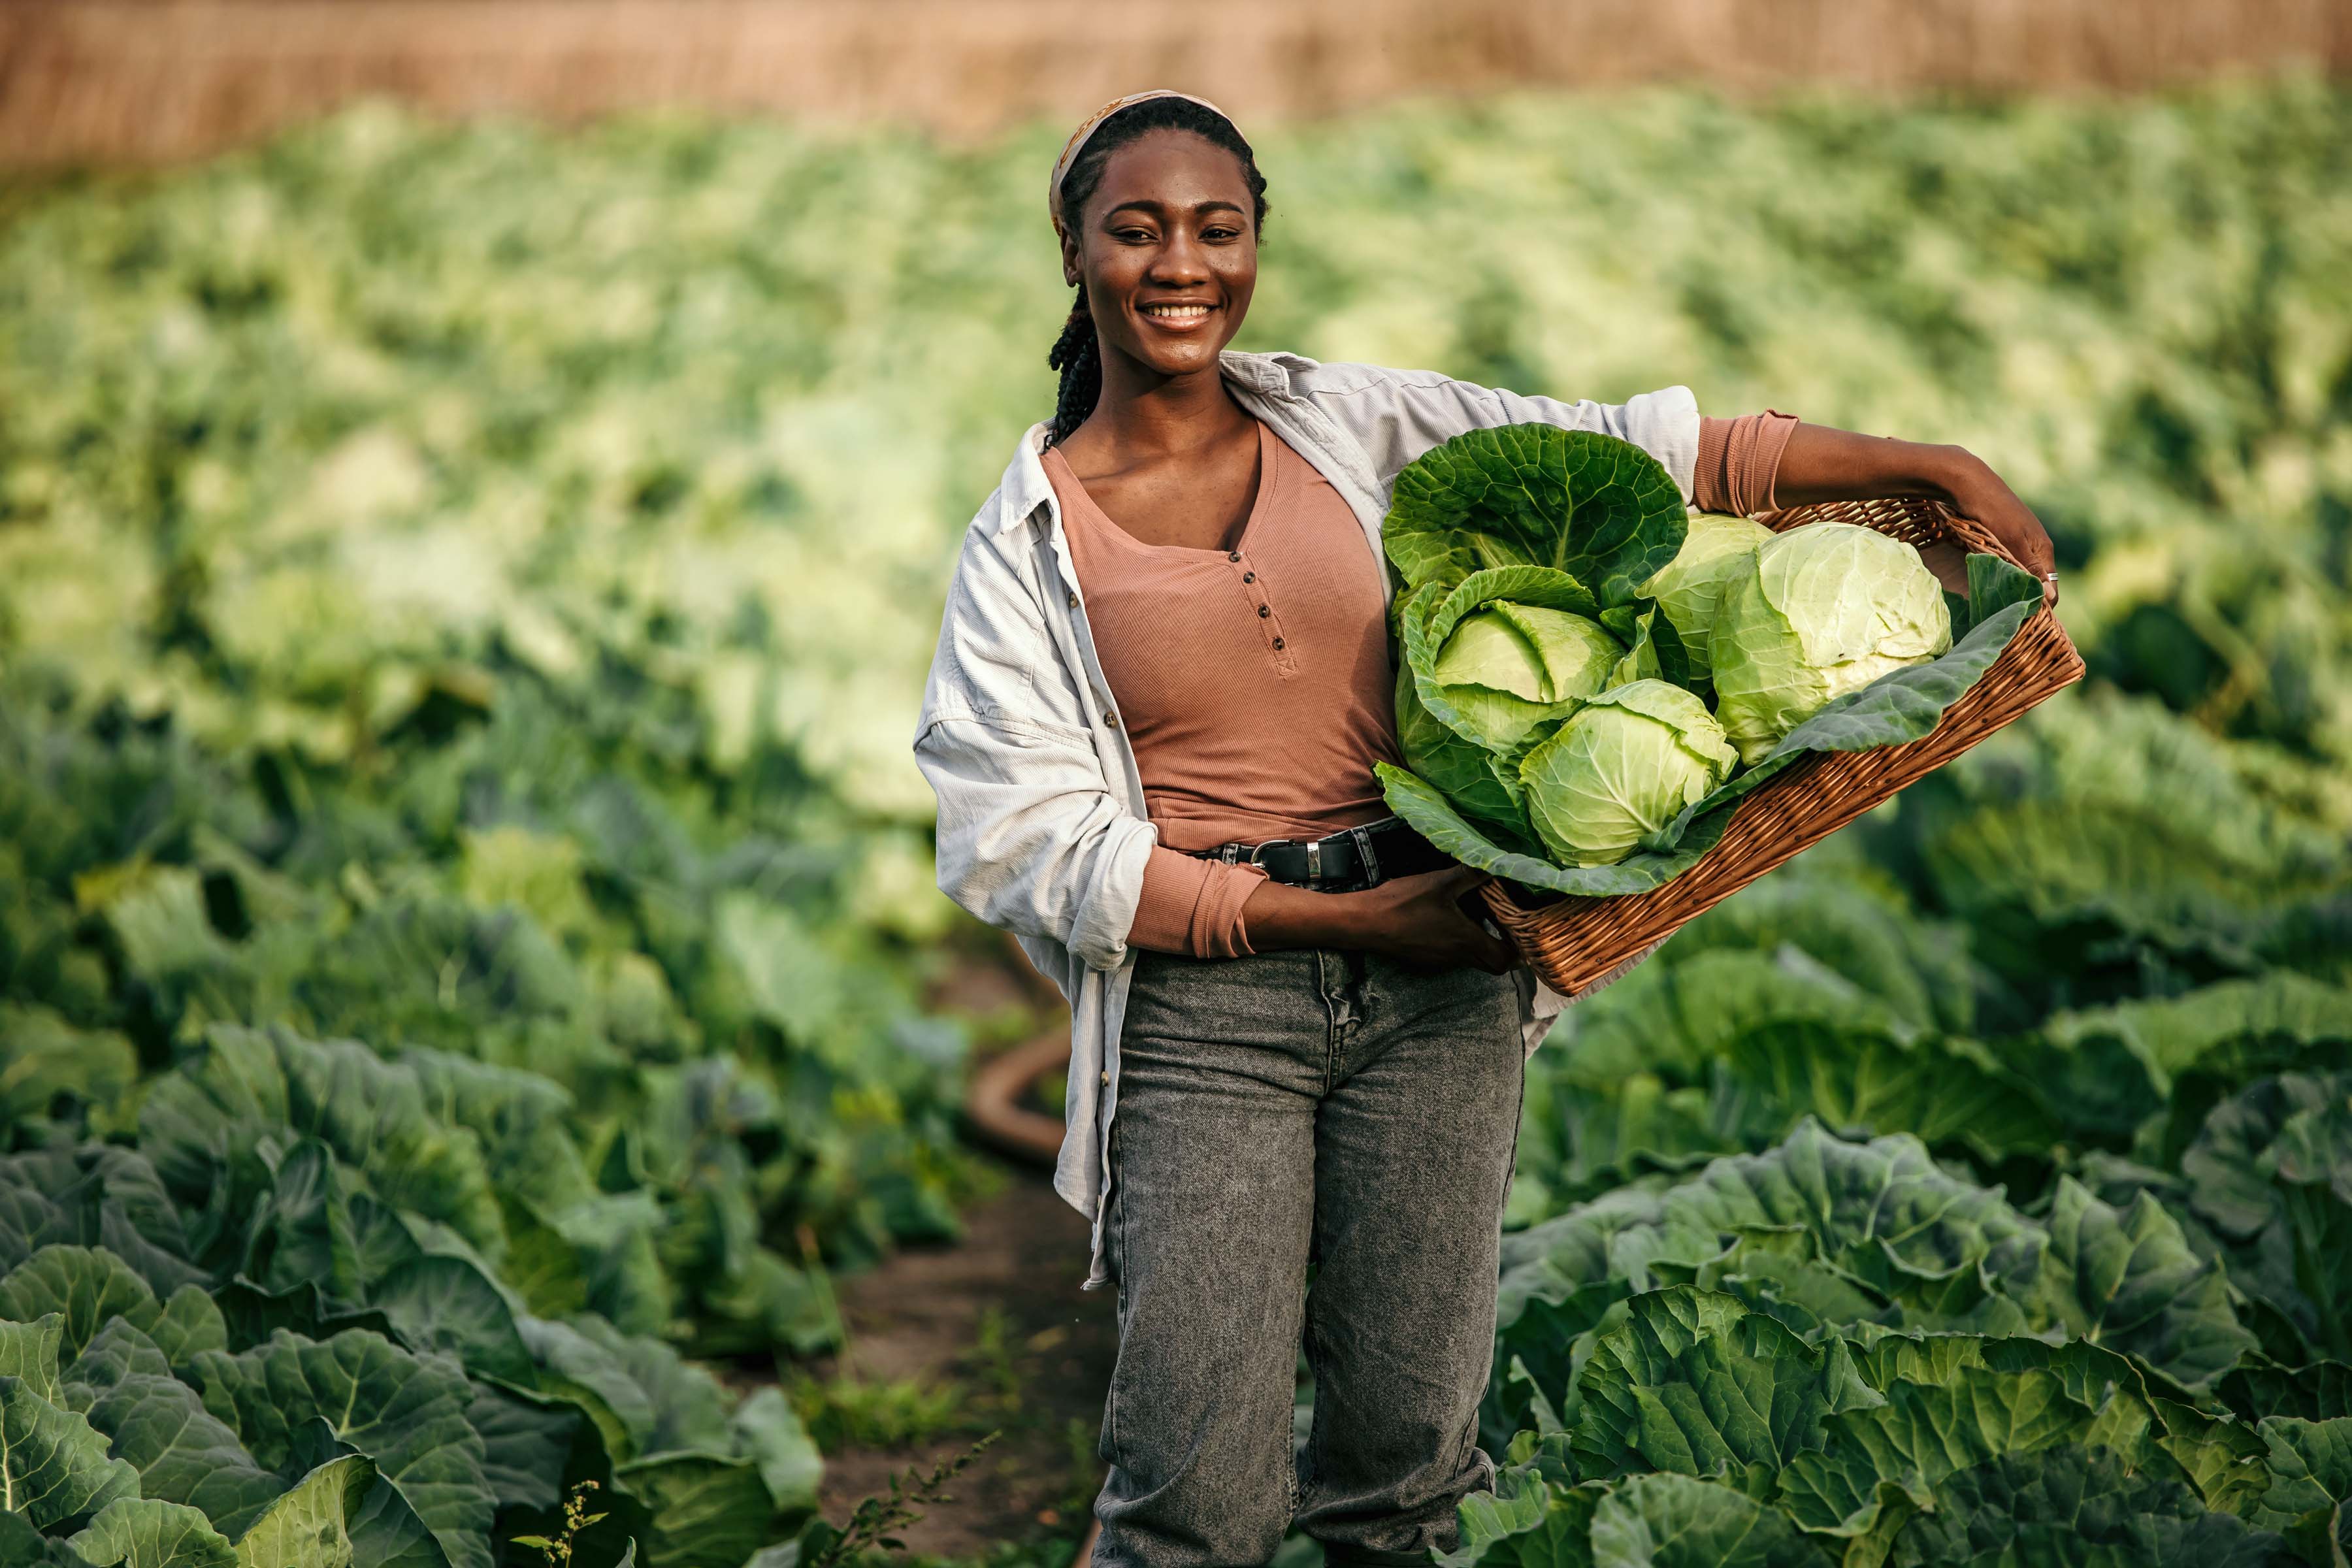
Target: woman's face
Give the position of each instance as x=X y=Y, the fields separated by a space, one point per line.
x=1168 y=251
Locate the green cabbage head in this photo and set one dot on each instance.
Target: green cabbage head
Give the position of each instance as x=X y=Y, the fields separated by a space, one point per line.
x=1690 y=589
x=1621 y=768
x=1816 y=613
x=1509 y=667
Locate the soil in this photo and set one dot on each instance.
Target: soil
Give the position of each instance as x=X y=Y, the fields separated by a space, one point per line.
x=933 y=1314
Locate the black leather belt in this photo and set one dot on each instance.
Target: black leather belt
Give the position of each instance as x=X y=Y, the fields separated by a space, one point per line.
x=1344 y=862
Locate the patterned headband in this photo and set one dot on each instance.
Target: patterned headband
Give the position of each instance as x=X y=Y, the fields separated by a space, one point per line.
x=1087 y=128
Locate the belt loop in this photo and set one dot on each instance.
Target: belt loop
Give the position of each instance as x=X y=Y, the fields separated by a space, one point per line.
x=1314 y=862
x=1368 y=864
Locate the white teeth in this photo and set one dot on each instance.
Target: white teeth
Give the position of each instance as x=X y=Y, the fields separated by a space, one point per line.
x=1177 y=312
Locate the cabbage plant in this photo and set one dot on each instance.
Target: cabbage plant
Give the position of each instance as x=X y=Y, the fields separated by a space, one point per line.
x=1690 y=590
x=1621 y=769
x=1820 y=611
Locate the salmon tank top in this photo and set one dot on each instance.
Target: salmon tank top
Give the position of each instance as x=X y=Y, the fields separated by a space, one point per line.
x=1253 y=683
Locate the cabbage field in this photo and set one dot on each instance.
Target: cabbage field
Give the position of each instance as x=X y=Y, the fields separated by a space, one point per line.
x=466 y=917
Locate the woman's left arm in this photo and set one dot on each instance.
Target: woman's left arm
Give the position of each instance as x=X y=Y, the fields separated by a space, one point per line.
x=1824 y=464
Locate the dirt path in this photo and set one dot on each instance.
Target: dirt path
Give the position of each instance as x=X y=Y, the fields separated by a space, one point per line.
x=1001 y=1314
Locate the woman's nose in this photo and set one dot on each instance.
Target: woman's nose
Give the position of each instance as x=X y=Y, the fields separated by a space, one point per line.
x=1181 y=260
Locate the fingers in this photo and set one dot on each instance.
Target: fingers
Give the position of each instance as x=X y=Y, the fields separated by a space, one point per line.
x=1491 y=950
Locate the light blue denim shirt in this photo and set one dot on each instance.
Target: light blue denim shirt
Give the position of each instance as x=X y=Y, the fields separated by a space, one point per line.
x=1042 y=828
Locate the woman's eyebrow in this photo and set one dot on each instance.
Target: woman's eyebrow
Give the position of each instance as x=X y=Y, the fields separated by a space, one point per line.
x=1146 y=204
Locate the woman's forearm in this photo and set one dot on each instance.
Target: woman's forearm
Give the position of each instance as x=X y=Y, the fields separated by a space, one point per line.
x=1278 y=915
x=1418 y=919
x=1823 y=463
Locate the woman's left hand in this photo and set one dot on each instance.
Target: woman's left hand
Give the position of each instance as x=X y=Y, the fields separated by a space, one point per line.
x=1982 y=496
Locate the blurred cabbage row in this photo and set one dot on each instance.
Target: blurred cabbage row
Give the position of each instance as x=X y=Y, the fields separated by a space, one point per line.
x=284 y=431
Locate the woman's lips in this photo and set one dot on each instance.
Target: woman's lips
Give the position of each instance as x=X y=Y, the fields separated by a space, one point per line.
x=1177 y=317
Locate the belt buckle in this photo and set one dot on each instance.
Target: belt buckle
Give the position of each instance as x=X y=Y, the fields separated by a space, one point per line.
x=1314 y=856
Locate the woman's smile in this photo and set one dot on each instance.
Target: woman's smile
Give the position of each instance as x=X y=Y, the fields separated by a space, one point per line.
x=1188 y=316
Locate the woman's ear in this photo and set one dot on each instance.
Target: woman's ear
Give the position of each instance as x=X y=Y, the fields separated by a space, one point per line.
x=1073 y=273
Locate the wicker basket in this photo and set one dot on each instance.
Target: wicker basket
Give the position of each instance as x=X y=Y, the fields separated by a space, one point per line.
x=1578 y=943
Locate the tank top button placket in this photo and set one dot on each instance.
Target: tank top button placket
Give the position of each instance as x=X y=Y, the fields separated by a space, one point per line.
x=1265 y=606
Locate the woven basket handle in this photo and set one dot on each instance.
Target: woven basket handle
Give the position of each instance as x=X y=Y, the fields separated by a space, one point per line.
x=1914 y=519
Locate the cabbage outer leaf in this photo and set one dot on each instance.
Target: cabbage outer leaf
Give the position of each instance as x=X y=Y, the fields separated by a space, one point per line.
x=1525 y=665
x=139 y=1532
x=1431 y=733
x=1598 y=509
x=1466 y=740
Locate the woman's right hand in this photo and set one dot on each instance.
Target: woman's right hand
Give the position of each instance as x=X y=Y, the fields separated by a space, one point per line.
x=1420 y=921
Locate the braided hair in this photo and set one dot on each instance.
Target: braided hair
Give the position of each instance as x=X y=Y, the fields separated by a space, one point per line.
x=1076 y=354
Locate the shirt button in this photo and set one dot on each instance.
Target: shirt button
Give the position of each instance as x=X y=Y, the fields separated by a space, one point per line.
x=1073 y=600
x=1277 y=645
x=1264 y=611
x=1233 y=555
x=1249 y=576
x=1106 y=1081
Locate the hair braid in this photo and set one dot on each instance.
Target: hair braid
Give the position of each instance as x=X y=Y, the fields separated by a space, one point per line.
x=1078 y=357
x=1078 y=353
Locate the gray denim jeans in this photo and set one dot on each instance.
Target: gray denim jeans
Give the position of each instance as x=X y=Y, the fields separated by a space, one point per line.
x=1279 y=1110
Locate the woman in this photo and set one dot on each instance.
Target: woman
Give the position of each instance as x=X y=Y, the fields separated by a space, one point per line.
x=1161 y=685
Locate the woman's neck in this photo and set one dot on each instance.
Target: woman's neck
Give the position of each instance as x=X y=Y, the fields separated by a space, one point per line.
x=1142 y=416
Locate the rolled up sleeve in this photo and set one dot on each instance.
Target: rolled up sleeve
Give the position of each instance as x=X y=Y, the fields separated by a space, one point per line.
x=1195 y=906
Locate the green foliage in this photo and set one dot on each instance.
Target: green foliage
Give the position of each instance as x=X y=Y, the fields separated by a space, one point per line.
x=847 y=1411
x=2063 y=1178
x=395 y=1405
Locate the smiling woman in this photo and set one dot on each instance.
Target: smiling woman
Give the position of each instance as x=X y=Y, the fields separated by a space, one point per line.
x=1162 y=692
x=1209 y=212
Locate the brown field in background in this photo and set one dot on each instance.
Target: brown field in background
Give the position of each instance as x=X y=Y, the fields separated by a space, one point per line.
x=141 y=80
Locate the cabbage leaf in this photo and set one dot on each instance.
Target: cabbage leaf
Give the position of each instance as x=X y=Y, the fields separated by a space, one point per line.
x=1601 y=509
